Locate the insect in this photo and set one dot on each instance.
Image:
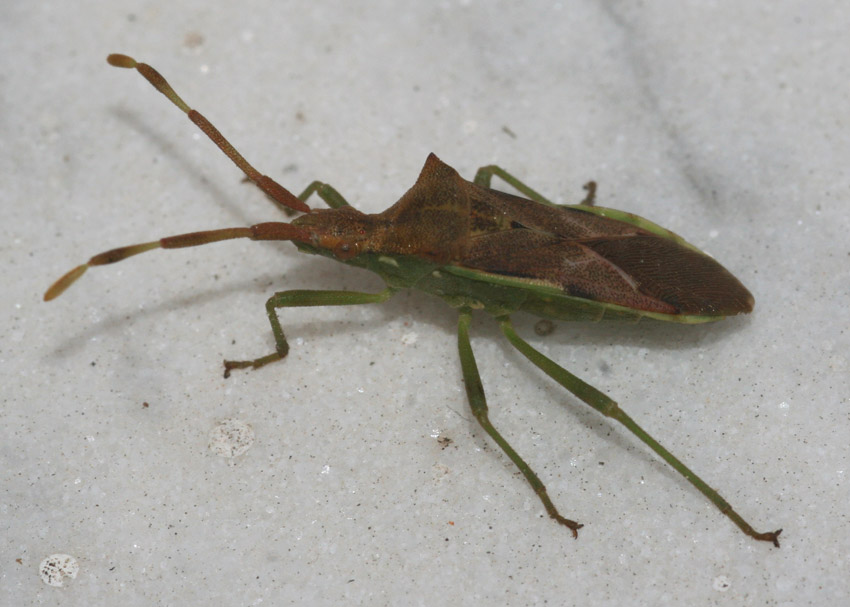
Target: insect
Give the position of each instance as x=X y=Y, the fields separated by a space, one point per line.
x=482 y=249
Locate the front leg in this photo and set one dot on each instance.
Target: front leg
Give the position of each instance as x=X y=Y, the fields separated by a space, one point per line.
x=326 y=192
x=300 y=298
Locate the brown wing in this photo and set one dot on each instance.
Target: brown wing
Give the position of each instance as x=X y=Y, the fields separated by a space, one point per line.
x=598 y=258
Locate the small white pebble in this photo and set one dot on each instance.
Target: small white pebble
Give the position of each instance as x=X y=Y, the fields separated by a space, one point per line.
x=231 y=438
x=56 y=567
x=721 y=583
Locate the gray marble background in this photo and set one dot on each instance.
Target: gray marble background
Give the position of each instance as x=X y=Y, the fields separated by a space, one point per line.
x=726 y=122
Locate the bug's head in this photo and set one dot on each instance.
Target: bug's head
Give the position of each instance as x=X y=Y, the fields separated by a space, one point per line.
x=345 y=231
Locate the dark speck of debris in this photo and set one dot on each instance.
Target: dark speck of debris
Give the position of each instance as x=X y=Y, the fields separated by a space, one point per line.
x=544 y=327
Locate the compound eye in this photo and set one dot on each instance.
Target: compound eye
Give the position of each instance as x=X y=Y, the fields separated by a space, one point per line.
x=345 y=250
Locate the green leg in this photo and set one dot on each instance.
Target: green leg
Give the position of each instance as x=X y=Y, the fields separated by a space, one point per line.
x=294 y=299
x=590 y=199
x=326 y=192
x=475 y=394
x=609 y=408
x=485 y=175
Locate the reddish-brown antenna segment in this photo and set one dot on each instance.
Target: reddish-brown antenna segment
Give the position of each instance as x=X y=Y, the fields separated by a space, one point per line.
x=273 y=189
x=272 y=230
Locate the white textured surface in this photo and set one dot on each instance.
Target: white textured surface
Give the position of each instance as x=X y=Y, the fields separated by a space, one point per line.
x=727 y=124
